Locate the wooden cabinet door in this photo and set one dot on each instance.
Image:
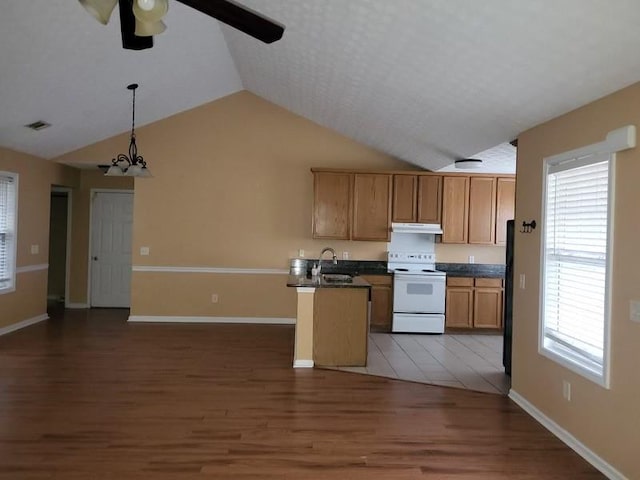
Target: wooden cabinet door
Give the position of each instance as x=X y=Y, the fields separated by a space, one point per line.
x=405 y=189
x=455 y=209
x=482 y=210
x=371 y=206
x=429 y=199
x=505 y=207
x=459 y=307
x=487 y=308
x=332 y=205
x=381 y=302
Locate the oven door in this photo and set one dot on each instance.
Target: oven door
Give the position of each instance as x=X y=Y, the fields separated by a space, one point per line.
x=418 y=293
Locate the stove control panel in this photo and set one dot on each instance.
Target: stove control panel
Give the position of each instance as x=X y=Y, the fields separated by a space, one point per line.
x=411 y=257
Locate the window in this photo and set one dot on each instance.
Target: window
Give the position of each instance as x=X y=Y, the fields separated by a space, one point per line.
x=576 y=252
x=8 y=221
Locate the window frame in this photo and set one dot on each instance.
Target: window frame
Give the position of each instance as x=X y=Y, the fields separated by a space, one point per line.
x=562 y=355
x=13 y=250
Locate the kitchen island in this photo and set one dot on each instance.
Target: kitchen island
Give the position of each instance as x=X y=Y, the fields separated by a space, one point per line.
x=332 y=321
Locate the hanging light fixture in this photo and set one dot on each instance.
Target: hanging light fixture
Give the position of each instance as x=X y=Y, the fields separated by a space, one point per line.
x=132 y=165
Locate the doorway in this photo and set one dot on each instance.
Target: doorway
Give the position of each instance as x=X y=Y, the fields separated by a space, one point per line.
x=59 y=247
x=110 y=258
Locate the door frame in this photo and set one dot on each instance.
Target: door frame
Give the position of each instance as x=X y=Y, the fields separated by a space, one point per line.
x=67 y=266
x=92 y=194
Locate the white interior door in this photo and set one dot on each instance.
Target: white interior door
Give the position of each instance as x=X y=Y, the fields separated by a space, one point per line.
x=111 y=225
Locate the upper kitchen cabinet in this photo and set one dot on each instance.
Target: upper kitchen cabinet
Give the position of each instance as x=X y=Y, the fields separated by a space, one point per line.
x=371 y=206
x=332 y=194
x=405 y=198
x=417 y=198
x=505 y=207
x=482 y=210
x=455 y=209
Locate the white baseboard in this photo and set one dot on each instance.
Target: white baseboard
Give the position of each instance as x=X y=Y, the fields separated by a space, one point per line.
x=76 y=305
x=303 y=364
x=571 y=441
x=175 y=319
x=22 y=324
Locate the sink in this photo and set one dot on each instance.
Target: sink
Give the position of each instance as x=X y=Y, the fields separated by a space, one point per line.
x=337 y=278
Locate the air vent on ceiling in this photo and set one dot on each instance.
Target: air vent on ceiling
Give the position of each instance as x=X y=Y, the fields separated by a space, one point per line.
x=39 y=125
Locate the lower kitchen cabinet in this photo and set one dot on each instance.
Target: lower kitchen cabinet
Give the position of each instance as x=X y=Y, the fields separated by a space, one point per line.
x=459 y=303
x=474 y=303
x=381 y=302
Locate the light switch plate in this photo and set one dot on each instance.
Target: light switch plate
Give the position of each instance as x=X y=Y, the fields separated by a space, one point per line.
x=634 y=310
x=522 y=281
x=35 y=249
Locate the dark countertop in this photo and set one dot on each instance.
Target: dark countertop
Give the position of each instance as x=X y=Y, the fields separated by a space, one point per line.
x=379 y=267
x=308 y=281
x=479 y=270
x=350 y=267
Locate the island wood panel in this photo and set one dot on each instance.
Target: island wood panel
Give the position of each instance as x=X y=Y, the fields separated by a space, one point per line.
x=371 y=206
x=482 y=210
x=455 y=209
x=429 y=199
x=505 y=207
x=332 y=205
x=405 y=192
x=340 y=327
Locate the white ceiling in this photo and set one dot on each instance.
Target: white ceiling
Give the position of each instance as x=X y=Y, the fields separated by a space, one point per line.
x=426 y=81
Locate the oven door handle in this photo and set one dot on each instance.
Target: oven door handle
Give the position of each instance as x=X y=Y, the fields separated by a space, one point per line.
x=420 y=278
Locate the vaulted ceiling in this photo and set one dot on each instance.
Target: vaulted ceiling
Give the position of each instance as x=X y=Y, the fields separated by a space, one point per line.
x=427 y=81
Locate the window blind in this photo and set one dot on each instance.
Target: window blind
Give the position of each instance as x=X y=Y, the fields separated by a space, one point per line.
x=575 y=272
x=7 y=230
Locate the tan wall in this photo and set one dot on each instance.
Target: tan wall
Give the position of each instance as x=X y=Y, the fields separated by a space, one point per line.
x=606 y=421
x=232 y=187
x=36 y=176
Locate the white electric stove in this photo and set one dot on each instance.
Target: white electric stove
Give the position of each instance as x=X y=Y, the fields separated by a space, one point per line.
x=418 y=292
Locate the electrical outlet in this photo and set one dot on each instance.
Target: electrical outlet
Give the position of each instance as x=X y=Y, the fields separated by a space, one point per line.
x=144 y=250
x=35 y=249
x=522 y=281
x=566 y=390
x=345 y=255
x=214 y=298
x=301 y=253
x=472 y=259
x=634 y=310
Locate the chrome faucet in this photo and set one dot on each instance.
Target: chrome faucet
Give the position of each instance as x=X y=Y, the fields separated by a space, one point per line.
x=333 y=252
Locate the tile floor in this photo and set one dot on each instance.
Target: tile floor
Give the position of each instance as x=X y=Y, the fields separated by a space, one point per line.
x=466 y=361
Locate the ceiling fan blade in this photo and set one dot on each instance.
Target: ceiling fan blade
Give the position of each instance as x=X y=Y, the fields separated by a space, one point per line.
x=242 y=18
x=130 y=40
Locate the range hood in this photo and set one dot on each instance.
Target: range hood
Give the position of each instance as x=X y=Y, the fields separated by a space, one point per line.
x=432 y=228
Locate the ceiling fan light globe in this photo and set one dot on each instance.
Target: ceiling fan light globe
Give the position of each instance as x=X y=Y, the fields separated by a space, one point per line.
x=149 y=29
x=100 y=9
x=146 y=4
x=155 y=14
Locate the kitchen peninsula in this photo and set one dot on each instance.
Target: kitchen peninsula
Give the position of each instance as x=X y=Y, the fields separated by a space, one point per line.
x=332 y=321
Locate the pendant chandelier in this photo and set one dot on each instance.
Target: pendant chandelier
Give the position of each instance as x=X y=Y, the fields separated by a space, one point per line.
x=132 y=165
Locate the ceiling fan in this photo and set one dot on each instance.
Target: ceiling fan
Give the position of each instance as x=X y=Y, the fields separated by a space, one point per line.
x=141 y=19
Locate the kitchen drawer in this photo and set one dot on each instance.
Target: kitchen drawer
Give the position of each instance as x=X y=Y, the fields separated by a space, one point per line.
x=459 y=281
x=379 y=279
x=489 y=282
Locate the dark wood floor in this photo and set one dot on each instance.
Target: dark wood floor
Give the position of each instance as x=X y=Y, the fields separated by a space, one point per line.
x=88 y=396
